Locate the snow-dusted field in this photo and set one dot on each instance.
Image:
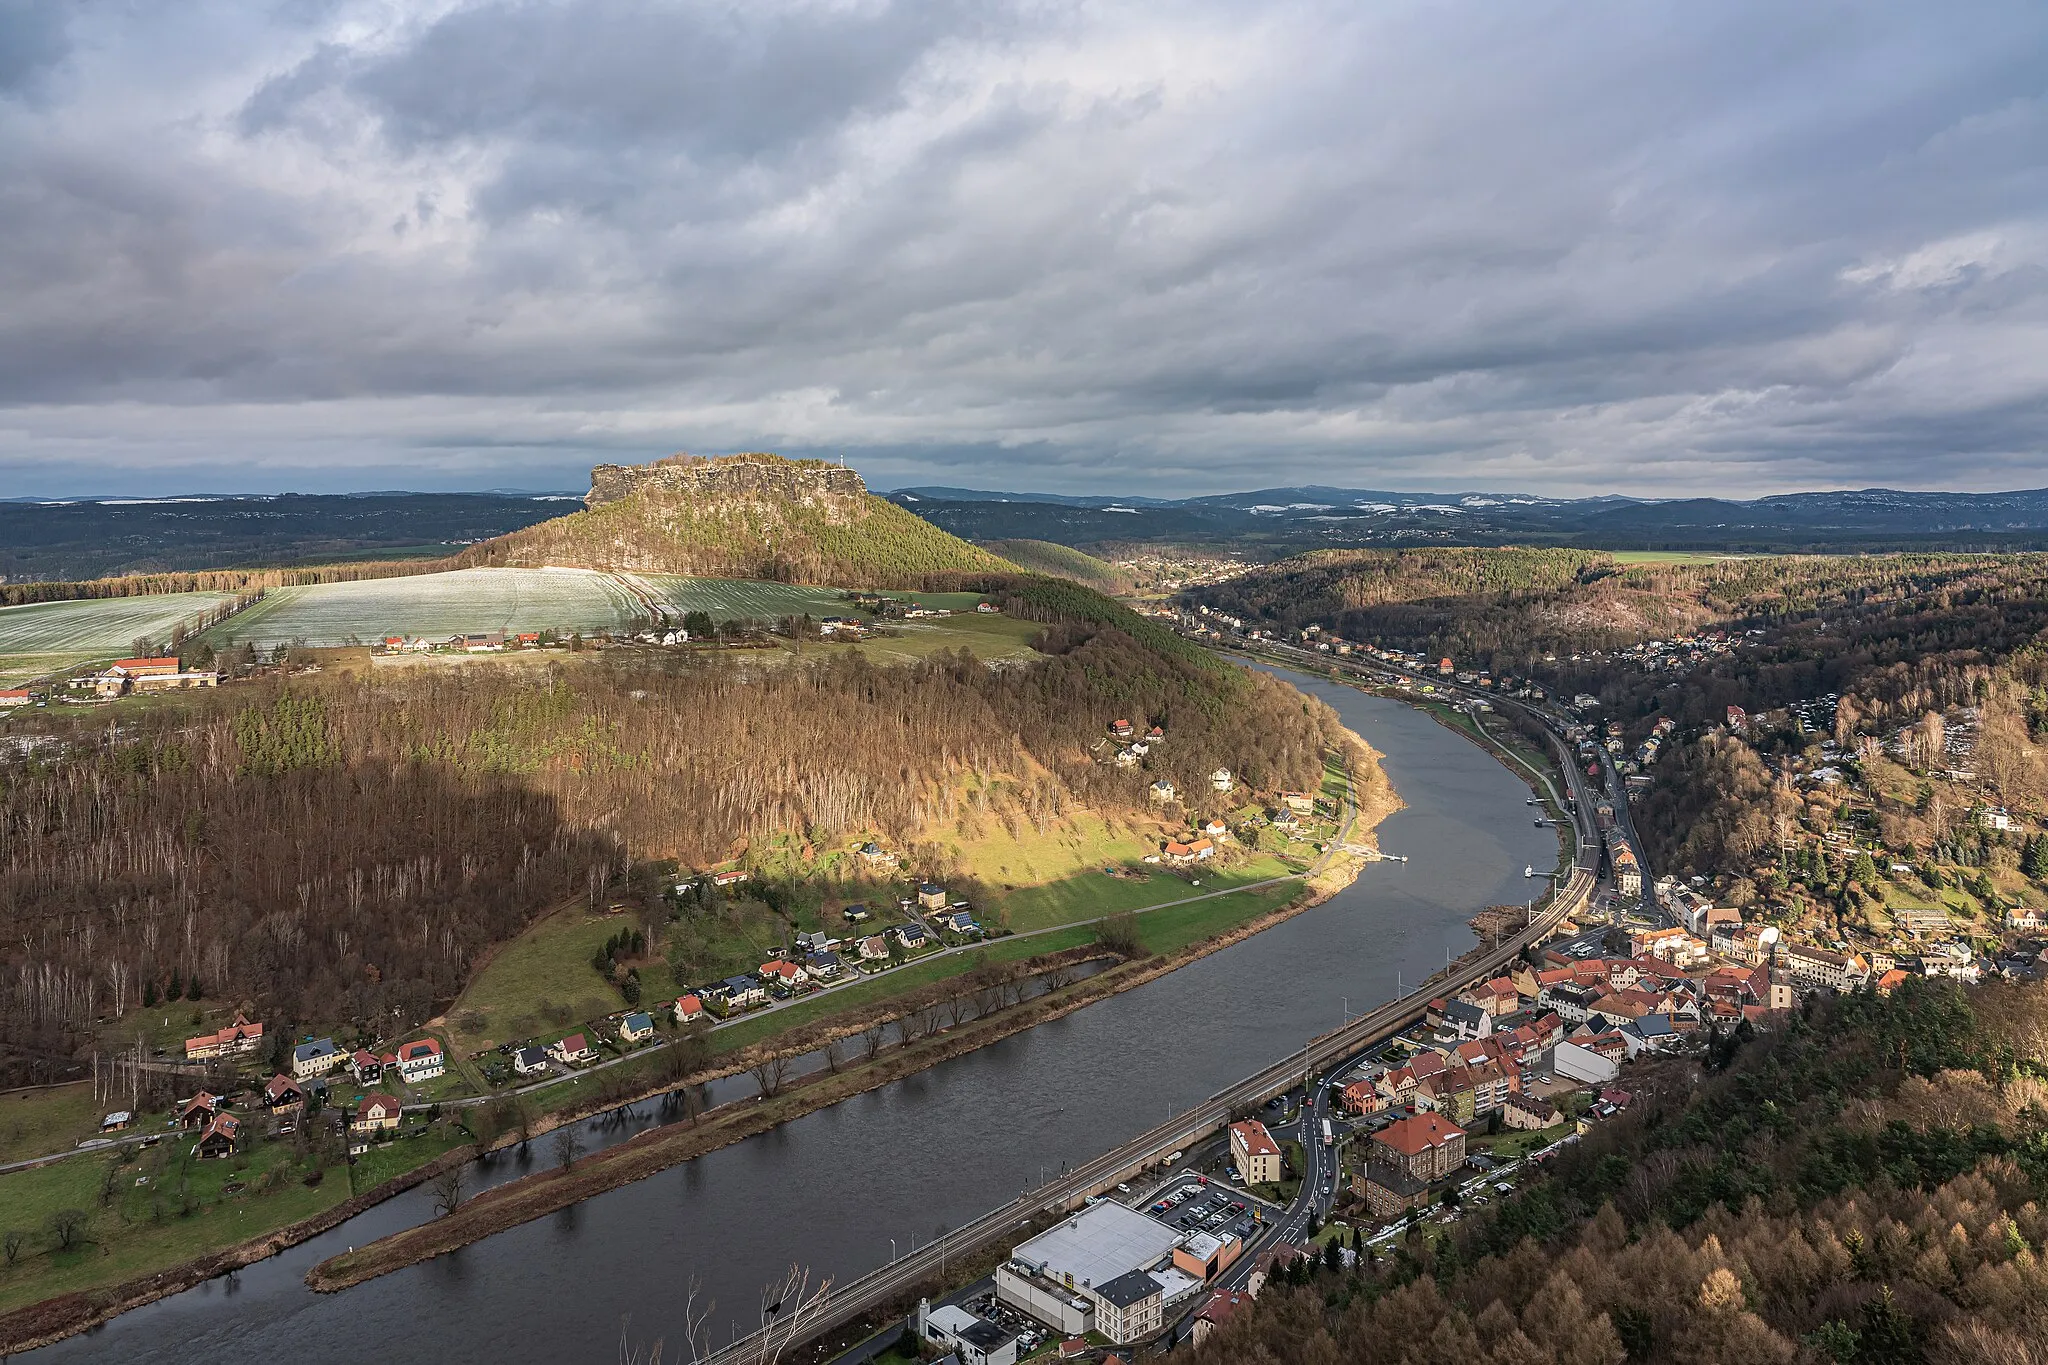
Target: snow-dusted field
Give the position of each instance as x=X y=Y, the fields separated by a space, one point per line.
x=435 y=606
x=728 y=598
x=45 y=637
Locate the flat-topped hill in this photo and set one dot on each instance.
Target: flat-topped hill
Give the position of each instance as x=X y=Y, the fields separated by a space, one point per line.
x=742 y=516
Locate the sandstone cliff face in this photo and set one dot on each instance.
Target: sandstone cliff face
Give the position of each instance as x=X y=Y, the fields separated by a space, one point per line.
x=831 y=489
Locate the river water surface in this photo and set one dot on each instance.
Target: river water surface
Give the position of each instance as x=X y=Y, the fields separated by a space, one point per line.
x=931 y=1151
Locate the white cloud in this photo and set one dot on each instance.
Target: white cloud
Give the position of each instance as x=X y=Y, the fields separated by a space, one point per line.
x=1665 y=248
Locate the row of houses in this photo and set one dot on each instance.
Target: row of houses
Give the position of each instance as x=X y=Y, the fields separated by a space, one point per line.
x=416 y=1062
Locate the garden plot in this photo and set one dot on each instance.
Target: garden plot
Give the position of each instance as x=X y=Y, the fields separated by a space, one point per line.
x=435 y=606
x=49 y=637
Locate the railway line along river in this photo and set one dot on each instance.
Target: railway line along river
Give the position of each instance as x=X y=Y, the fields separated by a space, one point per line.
x=930 y=1152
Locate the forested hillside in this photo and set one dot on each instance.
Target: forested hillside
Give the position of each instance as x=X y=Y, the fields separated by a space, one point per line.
x=348 y=847
x=1862 y=1184
x=1061 y=561
x=1505 y=609
x=744 y=516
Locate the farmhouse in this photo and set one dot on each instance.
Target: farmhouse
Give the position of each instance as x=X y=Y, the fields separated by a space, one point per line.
x=148 y=675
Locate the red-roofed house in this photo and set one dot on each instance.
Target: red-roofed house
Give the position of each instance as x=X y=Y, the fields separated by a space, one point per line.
x=283 y=1094
x=223 y=1131
x=1496 y=997
x=376 y=1114
x=1256 y=1154
x=1215 y=1313
x=238 y=1037
x=198 y=1111
x=571 y=1050
x=1364 y=1097
x=420 y=1060
x=1405 y=1159
x=688 y=1009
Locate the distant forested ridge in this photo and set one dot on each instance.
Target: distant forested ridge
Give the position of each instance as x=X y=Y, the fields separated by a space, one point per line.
x=1863 y=1184
x=71 y=541
x=1505 y=609
x=744 y=516
x=349 y=847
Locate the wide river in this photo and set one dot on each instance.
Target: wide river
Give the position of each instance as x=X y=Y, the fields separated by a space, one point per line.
x=932 y=1151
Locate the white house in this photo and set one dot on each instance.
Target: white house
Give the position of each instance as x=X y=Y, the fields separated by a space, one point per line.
x=420 y=1060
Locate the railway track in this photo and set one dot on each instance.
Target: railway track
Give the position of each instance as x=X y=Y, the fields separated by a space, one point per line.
x=890 y=1282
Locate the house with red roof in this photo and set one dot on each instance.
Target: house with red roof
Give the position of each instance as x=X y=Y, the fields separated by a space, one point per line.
x=1254 y=1152
x=237 y=1038
x=222 y=1132
x=198 y=1111
x=571 y=1050
x=420 y=1060
x=1216 y=1313
x=283 y=1095
x=1405 y=1160
x=376 y=1114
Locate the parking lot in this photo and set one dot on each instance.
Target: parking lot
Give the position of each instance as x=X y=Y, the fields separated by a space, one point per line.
x=1188 y=1203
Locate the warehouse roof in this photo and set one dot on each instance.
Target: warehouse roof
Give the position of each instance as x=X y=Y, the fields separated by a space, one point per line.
x=1097 y=1245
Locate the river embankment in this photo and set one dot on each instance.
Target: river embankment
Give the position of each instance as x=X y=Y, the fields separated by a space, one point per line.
x=535 y=1195
x=935 y=1148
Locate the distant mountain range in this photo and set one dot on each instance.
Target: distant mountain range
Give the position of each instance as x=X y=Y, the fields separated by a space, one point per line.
x=1292 y=519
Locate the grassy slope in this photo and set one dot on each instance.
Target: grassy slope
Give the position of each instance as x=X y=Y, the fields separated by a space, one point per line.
x=882 y=545
x=33 y=1122
x=1063 y=561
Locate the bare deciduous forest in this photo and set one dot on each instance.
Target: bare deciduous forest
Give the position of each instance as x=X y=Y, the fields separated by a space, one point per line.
x=1860 y=1186
x=340 y=848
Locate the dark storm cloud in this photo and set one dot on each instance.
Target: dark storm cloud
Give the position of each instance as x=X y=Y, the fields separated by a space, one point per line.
x=1656 y=248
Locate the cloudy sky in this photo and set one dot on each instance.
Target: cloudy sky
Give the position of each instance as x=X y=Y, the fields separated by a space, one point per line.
x=1657 y=248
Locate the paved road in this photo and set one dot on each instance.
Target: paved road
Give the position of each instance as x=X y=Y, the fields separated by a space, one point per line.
x=1350 y=813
